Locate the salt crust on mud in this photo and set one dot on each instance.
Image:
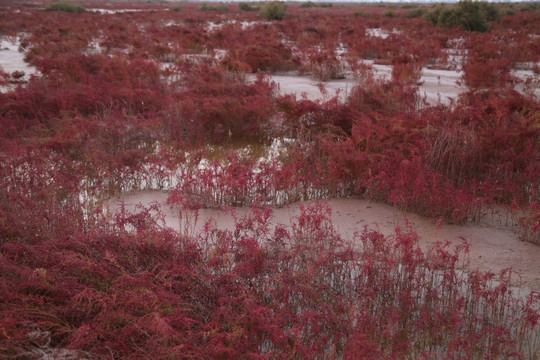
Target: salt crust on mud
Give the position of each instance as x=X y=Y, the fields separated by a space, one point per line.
x=435 y=85
x=491 y=248
x=12 y=60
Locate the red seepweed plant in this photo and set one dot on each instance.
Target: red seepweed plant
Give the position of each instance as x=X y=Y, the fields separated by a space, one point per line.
x=298 y=291
x=130 y=100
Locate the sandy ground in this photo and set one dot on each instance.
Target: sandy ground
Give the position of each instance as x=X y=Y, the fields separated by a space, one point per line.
x=492 y=249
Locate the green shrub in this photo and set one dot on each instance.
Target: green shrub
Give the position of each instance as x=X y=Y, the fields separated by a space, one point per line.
x=490 y=11
x=245 y=6
x=414 y=13
x=509 y=12
x=311 y=4
x=450 y=18
x=433 y=16
x=66 y=7
x=378 y=5
x=274 y=10
x=529 y=6
x=389 y=14
x=206 y=7
x=468 y=14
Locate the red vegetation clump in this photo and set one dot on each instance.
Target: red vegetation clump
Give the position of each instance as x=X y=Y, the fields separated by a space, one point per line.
x=406 y=69
x=259 y=292
x=324 y=65
x=159 y=98
x=258 y=48
x=485 y=67
x=217 y=105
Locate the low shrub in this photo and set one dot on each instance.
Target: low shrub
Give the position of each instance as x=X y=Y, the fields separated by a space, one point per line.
x=468 y=14
x=324 y=65
x=218 y=8
x=414 y=13
x=274 y=10
x=130 y=289
x=406 y=69
x=66 y=7
x=270 y=56
x=245 y=6
x=310 y=4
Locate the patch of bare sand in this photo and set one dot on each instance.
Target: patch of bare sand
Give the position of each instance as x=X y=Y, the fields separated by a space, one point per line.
x=491 y=249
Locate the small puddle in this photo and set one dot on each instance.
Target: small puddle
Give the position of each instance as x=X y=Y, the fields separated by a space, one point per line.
x=491 y=249
x=12 y=61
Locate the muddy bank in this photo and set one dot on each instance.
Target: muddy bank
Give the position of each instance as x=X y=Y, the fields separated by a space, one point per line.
x=491 y=248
